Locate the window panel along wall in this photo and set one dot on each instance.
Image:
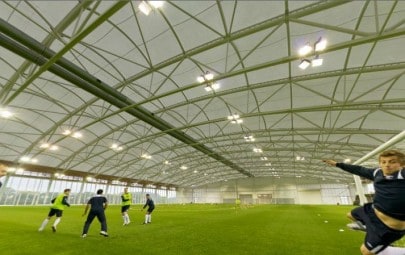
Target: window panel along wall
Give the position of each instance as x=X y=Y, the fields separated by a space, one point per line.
x=34 y=188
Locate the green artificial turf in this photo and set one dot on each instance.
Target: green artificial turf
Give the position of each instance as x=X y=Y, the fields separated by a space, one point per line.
x=185 y=229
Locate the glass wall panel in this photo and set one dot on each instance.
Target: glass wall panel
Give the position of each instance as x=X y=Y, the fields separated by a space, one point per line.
x=32 y=188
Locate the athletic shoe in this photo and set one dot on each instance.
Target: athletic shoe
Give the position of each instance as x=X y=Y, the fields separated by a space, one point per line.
x=54 y=229
x=357 y=225
x=84 y=235
x=103 y=233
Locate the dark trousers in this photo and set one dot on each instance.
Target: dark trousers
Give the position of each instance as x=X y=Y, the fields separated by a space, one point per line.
x=101 y=218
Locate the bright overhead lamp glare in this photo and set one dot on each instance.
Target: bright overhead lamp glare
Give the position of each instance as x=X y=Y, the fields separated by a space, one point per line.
x=317 y=61
x=77 y=135
x=320 y=45
x=211 y=87
x=54 y=147
x=144 y=8
x=233 y=117
x=183 y=167
x=25 y=159
x=305 y=50
x=207 y=76
x=44 y=146
x=156 y=4
x=237 y=121
x=257 y=150
x=200 y=79
x=67 y=132
x=249 y=138
x=5 y=114
x=146 y=156
x=304 y=64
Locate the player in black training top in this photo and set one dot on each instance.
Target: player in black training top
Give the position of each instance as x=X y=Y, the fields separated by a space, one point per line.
x=384 y=219
x=97 y=205
x=151 y=206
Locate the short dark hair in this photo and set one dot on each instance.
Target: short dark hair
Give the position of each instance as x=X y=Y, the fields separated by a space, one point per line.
x=100 y=191
x=66 y=190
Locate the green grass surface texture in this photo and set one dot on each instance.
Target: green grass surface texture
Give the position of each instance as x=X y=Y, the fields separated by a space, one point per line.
x=185 y=229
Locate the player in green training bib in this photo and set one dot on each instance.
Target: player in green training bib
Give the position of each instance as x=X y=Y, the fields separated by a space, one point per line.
x=126 y=198
x=58 y=205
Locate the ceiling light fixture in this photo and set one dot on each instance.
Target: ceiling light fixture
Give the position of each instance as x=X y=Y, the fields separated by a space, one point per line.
x=147 y=6
x=299 y=158
x=304 y=64
x=144 y=8
x=146 y=156
x=27 y=159
x=257 y=150
x=5 y=114
x=249 y=138
x=319 y=45
x=116 y=147
x=212 y=87
x=54 y=147
x=66 y=132
x=44 y=146
x=317 y=61
x=207 y=78
x=77 y=135
x=72 y=134
x=305 y=50
x=235 y=119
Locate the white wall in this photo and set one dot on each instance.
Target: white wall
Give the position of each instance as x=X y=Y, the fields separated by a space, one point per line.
x=309 y=197
x=281 y=192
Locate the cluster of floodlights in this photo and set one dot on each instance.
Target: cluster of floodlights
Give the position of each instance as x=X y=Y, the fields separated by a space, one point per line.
x=319 y=46
x=206 y=78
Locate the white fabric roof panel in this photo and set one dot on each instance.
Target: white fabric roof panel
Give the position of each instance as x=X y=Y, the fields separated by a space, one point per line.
x=343 y=109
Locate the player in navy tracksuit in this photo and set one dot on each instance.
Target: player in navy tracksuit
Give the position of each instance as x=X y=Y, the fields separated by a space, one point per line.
x=151 y=206
x=384 y=219
x=97 y=204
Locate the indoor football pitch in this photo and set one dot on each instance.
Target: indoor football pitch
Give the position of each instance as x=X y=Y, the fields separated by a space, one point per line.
x=190 y=229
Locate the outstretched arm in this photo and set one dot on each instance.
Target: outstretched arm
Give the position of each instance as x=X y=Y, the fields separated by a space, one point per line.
x=353 y=169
